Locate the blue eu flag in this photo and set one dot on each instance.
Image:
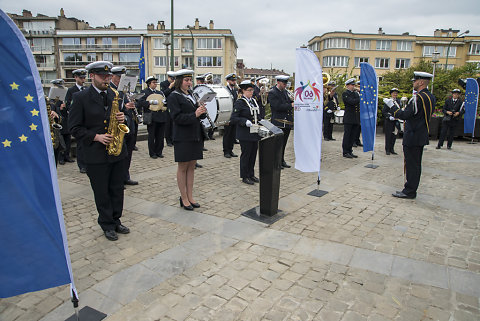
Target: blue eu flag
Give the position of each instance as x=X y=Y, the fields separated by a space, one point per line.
x=368 y=105
x=471 y=103
x=33 y=250
x=141 y=64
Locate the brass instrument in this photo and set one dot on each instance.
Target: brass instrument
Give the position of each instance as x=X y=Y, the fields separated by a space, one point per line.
x=264 y=90
x=290 y=95
x=115 y=129
x=326 y=78
x=403 y=102
x=54 y=126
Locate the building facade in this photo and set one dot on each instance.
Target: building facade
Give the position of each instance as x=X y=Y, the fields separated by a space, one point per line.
x=270 y=74
x=342 y=52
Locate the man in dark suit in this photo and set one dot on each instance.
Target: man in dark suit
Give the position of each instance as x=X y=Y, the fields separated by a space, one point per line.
x=160 y=116
x=453 y=111
x=390 y=123
x=282 y=109
x=356 y=140
x=415 y=136
x=166 y=87
x=80 y=76
x=351 y=118
x=89 y=122
x=330 y=106
x=230 y=129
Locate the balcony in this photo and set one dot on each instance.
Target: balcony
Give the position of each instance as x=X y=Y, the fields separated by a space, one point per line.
x=103 y=48
x=41 y=50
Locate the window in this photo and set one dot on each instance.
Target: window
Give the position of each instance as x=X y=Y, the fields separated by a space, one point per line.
x=187 y=62
x=209 y=43
x=107 y=42
x=71 y=42
x=175 y=61
x=382 y=63
x=358 y=60
x=336 y=43
x=474 y=49
x=335 y=61
x=45 y=60
x=402 y=63
x=362 y=44
x=158 y=43
x=160 y=61
x=217 y=79
x=107 y=56
x=314 y=46
x=91 y=56
x=384 y=44
x=42 y=44
x=129 y=56
x=429 y=50
x=128 y=42
x=48 y=76
x=90 y=42
x=160 y=77
x=187 y=45
x=72 y=58
x=209 y=62
x=404 y=45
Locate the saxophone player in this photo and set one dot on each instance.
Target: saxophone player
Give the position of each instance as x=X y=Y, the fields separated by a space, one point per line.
x=88 y=122
x=330 y=105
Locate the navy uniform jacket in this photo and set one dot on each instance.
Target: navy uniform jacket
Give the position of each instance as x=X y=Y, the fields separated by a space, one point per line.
x=330 y=104
x=453 y=107
x=66 y=110
x=241 y=113
x=157 y=116
x=281 y=107
x=387 y=112
x=87 y=118
x=186 y=126
x=417 y=118
x=233 y=92
x=351 y=99
x=165 y=88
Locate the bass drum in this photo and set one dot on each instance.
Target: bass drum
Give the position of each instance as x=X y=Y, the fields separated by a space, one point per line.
x=219 y=109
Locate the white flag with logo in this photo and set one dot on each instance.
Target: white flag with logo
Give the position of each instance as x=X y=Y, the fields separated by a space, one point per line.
x=308 y=111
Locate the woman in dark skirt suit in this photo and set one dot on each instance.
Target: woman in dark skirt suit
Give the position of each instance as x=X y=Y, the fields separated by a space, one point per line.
x=187 y=134
x=243 y=116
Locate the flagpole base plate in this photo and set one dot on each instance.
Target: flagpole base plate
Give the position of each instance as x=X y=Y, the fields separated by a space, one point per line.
x=254 y=214
x=88 y=314
x=317 y=193
x=371 y=166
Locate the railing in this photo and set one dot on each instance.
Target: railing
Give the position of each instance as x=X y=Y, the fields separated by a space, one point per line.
x=46 y=65
x=41 y=49
x=100 y=47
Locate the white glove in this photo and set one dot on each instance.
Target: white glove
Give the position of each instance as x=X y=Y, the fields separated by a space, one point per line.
x=329 y=111
x=391 y=118
x=388 y=102
x=153 y=102
x=338 y=108
x=248 y=123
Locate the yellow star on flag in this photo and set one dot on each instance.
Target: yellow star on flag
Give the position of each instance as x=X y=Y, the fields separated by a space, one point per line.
x=14 y=86
x=34 y=112
x=23 y=138
x=33 y=127
x=29 y=98
x=7 y=143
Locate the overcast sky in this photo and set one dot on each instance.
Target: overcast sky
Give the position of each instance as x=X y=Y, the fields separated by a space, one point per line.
x=267 y=32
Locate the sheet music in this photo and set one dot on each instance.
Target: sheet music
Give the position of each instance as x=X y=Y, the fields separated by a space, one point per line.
x=129 y=81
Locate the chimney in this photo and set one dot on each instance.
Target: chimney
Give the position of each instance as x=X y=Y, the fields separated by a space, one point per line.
x=380 y=31
x=150 y=26
x=210 y=25
x=437 y=33
x=26 y=13
x=62 y=12
x=112 y=26
x=350 y=30
x=160 y=25
x=197 y=24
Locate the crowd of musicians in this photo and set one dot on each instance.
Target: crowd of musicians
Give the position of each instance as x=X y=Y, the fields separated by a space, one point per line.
x=173 y=113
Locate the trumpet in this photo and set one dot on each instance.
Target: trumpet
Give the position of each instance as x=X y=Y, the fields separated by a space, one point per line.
x=264 y=93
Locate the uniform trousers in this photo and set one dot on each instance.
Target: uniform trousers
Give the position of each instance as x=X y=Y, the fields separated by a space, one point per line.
x=229 y=138
x=168 y=131
x=349 y=132
x=390 y=136
x=64 y=155
x=248 y=158
x=156 y=133
x=413 y=168
x=356 y=139
x=286 y=133
x=80 y=158
x=130 y=143
x=327 y=127
x=107 y=184
x=135 y=135
x=447 y=127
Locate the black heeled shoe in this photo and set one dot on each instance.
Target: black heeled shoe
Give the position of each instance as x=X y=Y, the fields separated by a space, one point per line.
x=188 y=208
x=195 y=205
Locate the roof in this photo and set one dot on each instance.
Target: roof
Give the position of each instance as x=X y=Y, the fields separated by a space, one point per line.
x=264 y=72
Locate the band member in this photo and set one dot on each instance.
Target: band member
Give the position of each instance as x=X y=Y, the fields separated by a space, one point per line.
x=166 y=87
x=282 y=109
x=89 y=121
x=200 y=80
x=351 y=118
x=80 y=76
x=357 y=141
x=187 y=134
x=156 y=129
x=453 y=111
x=415 y=136
x=330 y=103
x=390 y=123
x=117 y=73
x=258 y=91
x=230 y=130
x=245 y=115
x=56 y=115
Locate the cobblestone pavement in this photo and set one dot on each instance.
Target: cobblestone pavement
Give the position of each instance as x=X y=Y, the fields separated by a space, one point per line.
x=356 y=253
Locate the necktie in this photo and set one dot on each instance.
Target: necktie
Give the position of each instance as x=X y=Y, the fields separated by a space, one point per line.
x=104 y=95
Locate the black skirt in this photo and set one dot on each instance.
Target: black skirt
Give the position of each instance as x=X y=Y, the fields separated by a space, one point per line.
x=187 y=151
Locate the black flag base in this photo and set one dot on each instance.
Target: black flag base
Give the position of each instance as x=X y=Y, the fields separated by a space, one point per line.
x=371 y=166
x=254 y=214
x=317 y=193
x=88 y=314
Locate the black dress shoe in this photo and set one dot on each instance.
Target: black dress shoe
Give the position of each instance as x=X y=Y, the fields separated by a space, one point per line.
x=69 y=160
x=169 y=144
x=111 y=235
x=326 y=139
x=83 y=170
x=438 y=147
x=212 y=138
x=388 y=153
x=130 y=182
x=197 y=165
x=227 y=155
x=347 y=155
x=122 y=229
x=354 y=145
x=237 y=142
x=247 y=181
x=205 y=150
x=393 y=153
x=402 y=195
x=233 y=155
x=188 y=207
x=160 y=155
x=135 y=148
x=154 y=156
x=61 y=162
x=284 y=164
x=353 y=155
x=332 y=139
x=359 y=144
x=254 y=179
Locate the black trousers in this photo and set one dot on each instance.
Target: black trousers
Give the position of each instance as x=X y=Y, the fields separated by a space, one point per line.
x=448 y=127
x=64 y=155
x=156 y=133
x=135 y=135
x=413 y=168
x=390 y=136
x=107 y=184
x=130 y=143
x=356 y=139
x=56 y=153
x=168 y=131
x=248 y=158
x=80 y=158
x=349 y=134
x=286 y=133
x=327 y=127
x=229 y=138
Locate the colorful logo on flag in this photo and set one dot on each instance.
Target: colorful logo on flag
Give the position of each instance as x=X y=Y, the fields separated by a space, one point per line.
x=308 y=93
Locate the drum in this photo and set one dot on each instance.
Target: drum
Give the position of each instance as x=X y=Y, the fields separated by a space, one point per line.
x=161 y=102
x=339 y=116
x=220 y=109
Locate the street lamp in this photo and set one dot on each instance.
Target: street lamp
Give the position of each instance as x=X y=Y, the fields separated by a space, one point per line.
x=435 y=60
x=166 y=43
x=193 y=48
x=448 y=48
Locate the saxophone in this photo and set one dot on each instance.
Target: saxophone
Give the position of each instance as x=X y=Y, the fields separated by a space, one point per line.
x=115 y=129
x=54 y=127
